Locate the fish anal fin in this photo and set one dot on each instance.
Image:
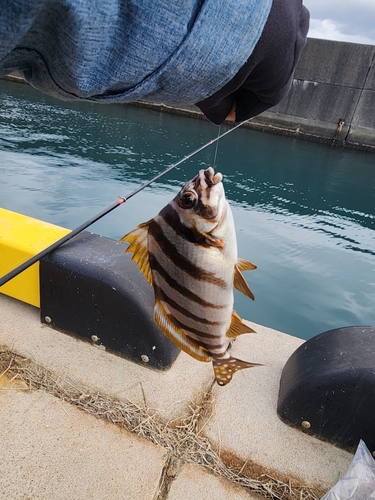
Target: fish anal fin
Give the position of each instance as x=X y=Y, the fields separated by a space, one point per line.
x=176 y=335
x=137 y=240
x=237 y=327
x=245 y=265
x=225 y=368
x=239 y=282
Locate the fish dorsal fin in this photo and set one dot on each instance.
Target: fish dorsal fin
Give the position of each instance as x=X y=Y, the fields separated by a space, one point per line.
x=137 y=240
x=225 y=368
x=245 y=265
x=176 y=335
x=239 y=282
x=237 y=327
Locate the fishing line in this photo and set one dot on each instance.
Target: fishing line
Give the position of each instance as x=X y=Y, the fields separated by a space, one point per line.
x=217 y=145
x=171 y=167
x=15 y=272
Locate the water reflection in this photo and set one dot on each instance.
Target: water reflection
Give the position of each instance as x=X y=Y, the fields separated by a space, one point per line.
x=304 y=212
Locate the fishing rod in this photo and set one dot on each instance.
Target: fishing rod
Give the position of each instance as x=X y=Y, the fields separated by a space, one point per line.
x=25 y=265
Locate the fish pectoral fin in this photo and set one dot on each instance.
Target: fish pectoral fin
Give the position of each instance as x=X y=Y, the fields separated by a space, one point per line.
x=245 y=265
x=205 y=239
x=237 y=327
x=214 y=242
x=225 y=368
x=239 y=282
x=137 y=240
x=176 y=335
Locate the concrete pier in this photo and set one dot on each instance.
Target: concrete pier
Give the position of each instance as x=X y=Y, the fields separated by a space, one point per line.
x=78 y=422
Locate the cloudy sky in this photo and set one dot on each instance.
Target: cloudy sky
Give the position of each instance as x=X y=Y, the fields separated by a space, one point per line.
x=344 y=20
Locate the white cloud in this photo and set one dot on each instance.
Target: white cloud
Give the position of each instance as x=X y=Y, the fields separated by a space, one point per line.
x=343 y=20
x=331 y=30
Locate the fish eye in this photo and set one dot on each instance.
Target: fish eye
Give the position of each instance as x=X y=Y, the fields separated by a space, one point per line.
x=188 y=199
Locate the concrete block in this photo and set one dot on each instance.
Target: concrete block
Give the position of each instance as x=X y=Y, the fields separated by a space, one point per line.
x=360 y=137
x=170 y=392
x=326 y=61
x=194 y=483
x=319 y=102
x=363 y=124
x=365 y=113
x=245 y=420
x=370 y=80
x=296 y=125
x=49 y=449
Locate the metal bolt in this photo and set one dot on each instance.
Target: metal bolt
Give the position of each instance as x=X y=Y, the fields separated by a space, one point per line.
x=306 y=424
x=145 y=358
x=47 y=319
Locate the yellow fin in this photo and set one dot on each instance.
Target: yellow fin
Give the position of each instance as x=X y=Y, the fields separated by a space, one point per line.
x=237 y=327
x=245 y=265
x=137 y=240
x=239 y=282
x=176 y=335
x=225 y=368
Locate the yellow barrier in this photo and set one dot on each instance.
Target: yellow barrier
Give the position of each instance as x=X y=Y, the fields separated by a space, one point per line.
x=21 y=237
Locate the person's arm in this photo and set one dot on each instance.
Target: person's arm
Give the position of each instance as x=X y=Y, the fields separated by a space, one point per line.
x=219 y=55
x=231 y=116
x=266 y=77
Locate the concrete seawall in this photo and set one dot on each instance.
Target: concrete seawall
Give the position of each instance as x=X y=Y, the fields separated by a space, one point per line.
x=333 y=81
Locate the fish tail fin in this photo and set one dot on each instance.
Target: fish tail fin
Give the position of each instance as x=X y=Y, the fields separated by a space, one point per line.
x=225 y=368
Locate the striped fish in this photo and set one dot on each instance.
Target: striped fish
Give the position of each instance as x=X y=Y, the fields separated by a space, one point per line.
x=188 y=253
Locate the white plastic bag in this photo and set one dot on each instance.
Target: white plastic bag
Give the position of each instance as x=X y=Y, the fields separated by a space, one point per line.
x=359 y=482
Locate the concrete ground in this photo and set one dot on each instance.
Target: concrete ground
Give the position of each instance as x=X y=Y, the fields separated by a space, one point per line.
x=77 y=422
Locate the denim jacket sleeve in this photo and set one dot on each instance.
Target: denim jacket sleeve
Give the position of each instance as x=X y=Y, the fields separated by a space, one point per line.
x=267 y=76
x=175 y=52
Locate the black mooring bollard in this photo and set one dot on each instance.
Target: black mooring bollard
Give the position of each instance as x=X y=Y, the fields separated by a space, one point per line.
x=90 y=289
x=327 y=387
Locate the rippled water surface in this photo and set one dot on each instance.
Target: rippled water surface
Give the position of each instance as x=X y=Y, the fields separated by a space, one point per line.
x=304 y=212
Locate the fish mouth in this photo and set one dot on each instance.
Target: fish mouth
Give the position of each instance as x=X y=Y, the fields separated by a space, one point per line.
x=210 y=177
x=207 y=187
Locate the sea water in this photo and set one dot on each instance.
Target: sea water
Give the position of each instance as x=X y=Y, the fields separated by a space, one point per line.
x=304 y=212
